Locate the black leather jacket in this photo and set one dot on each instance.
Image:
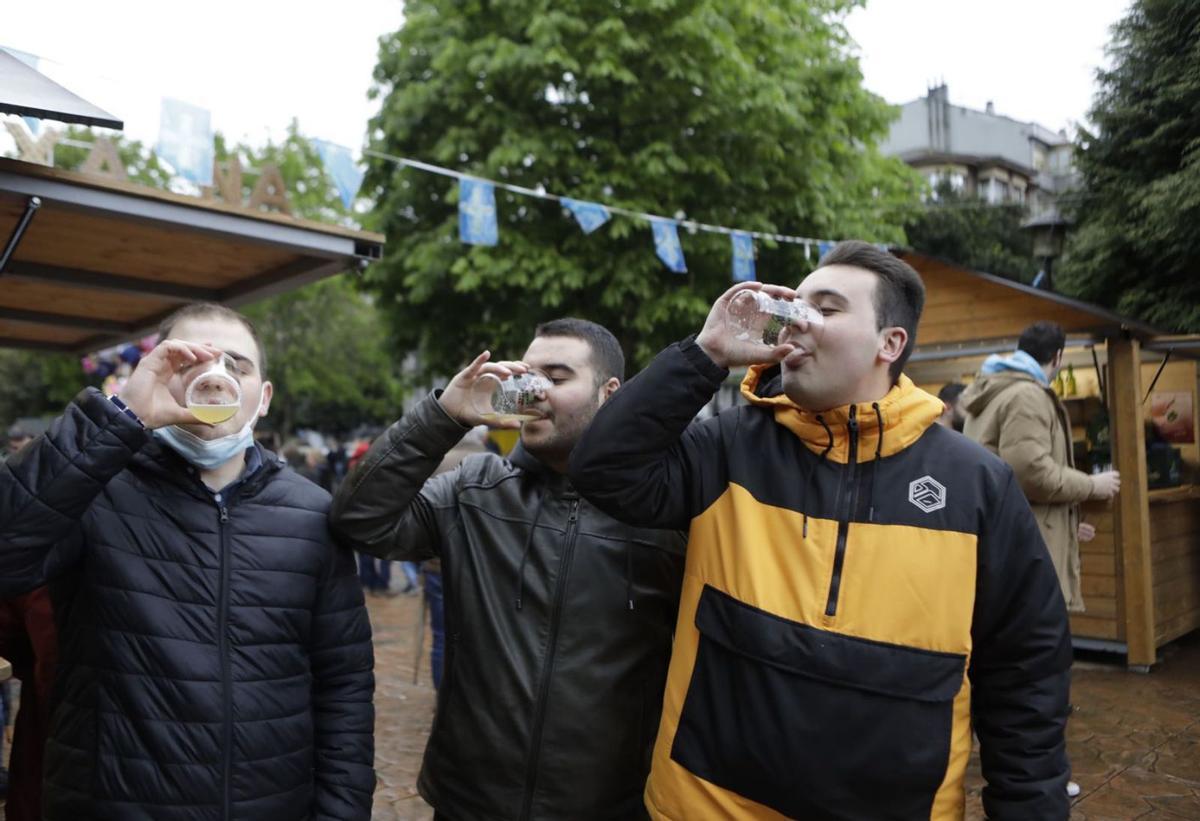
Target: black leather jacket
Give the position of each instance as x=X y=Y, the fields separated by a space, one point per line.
x=558 y=623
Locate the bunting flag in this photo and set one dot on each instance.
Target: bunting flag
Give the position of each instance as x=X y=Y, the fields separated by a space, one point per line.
x=478 y=220
x=339 y=164
x=185 y=140
x=743 y=256
x=589 y=215
x=477 y=212
x=666 y=244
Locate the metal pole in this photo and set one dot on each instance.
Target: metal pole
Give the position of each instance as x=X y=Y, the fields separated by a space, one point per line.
x=19 y=231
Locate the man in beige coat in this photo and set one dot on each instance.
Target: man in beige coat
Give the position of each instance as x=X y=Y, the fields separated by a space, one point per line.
x=1012 y=411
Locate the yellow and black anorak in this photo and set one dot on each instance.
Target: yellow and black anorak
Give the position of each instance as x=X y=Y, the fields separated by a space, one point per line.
x=862 y=588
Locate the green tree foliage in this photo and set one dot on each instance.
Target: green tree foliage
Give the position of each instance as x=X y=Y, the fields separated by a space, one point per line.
x=964 y=229
x=37 y=384
x=1136 y=247
x=329 y=358
x=748 y=114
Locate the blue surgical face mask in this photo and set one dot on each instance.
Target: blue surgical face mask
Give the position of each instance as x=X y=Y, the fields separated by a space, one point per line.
x=208 y=454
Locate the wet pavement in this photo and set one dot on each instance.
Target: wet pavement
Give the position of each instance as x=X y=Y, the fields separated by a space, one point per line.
x=1134 y=739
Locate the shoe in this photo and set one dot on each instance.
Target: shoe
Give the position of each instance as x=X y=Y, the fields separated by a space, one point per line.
x=1072 y=789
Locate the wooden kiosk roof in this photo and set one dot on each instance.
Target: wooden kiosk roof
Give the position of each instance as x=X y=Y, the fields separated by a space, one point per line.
x=101 y=261
x=970 y=312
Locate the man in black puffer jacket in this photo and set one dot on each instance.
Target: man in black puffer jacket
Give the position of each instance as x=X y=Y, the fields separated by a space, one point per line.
x=215 y=655
x=558 y=617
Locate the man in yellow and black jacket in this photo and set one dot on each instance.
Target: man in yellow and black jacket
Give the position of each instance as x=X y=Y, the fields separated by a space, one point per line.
x=863 y=587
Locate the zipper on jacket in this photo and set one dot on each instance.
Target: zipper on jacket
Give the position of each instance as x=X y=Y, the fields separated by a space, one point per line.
x=539 y=706
x=845 y=510
x=226 y=684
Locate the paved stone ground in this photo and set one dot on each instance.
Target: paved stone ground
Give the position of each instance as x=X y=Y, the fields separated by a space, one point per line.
x=1134 y=740
x=403 y=710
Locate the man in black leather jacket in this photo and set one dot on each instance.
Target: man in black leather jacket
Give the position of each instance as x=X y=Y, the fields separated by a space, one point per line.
x=558 y=617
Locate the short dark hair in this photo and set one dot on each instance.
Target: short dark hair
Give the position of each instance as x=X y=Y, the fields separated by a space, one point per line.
x=608 y=360
x=951 y=391
x=198 y=310
x=1042 y=340
x=899 y=292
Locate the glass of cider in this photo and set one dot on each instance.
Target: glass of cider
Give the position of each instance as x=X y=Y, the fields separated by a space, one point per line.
x=511 y=399
x=213 y=394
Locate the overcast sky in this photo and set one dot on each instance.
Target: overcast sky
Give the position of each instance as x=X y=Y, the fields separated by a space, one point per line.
x=257 y=63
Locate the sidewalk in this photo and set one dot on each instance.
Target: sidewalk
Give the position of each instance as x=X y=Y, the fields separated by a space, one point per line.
x=1134 y=740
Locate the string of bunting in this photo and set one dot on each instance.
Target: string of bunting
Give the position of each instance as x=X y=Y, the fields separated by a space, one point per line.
x=185 y=143
x=478 y=223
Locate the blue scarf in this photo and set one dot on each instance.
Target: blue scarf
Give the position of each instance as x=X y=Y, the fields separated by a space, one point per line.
x=1020 y=362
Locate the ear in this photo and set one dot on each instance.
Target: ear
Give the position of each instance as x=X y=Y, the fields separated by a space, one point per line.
x=1056 y=363
x=892 y=342
x=268 y=390
x=608 y=389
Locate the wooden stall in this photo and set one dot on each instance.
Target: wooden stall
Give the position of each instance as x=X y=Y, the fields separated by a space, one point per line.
x=88 y=260
x=1141 y=574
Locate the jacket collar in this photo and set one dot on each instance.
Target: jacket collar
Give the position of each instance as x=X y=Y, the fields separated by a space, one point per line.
x=167 y=465
x=556 y=482
x=906 y=412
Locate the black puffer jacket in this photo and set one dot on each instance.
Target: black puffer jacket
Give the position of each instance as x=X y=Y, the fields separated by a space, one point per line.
x=215 y=653
x=558 y=625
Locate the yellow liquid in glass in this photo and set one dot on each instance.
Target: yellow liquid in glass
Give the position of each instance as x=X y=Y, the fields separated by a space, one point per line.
x=213 y=414
x=510 y=417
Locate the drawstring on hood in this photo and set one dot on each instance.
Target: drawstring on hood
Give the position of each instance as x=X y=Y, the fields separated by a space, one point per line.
x=875 y=466
x=903 y=415
x=529 y=547
x=906 y=412
x=812 y=471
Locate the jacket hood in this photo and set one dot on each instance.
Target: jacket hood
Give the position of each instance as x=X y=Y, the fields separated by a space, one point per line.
x=899 y=419
x=980 y=393
x=1018 y=361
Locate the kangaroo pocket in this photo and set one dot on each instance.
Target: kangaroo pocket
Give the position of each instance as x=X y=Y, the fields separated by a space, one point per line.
x=813 y=724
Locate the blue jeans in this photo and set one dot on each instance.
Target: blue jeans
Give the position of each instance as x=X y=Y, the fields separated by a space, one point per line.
x=412 y=571
x=437 y=622
x=374 y=573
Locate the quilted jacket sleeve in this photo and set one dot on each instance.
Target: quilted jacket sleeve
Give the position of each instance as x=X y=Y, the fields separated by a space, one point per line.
x=342 y=662
x=48 y=486
x=1020 y=667
x=388 y=506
